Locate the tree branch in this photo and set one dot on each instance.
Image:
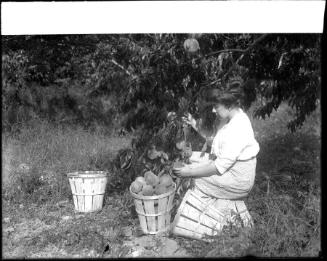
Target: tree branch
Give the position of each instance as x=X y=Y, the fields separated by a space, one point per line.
x=216 y=52
x=243 y=51
x=224 y=51
x=259 y=39
x=123 y=68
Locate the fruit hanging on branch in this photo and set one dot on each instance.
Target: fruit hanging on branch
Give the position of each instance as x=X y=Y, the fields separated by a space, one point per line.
x=191 y=45
x=169 y=145
x=180 y=145
x=185 y=149
x=179 y=132
x=171 y=116
x=153 y=153
x=157 y=156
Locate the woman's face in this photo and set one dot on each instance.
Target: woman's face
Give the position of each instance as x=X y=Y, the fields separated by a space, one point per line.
x=221 y=111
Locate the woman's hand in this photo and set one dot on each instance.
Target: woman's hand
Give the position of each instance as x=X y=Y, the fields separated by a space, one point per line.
x=182 y=172
x=190 y=120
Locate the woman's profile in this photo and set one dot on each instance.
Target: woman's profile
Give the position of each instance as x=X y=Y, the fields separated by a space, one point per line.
x=231 y=173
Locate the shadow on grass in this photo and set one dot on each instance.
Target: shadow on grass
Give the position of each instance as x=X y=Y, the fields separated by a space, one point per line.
x=290 y=154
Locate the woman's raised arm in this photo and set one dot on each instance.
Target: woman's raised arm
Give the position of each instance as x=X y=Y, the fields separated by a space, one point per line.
x=189 y=119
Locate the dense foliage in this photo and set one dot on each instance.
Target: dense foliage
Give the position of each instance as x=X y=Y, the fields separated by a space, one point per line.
x=91 y=78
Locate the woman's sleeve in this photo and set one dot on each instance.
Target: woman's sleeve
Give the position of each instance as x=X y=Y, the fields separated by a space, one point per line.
x=235 y=139
x=228 y=153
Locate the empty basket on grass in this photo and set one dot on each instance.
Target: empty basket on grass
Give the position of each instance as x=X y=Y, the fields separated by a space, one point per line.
x=154 y=211
x=88 y=188
x=195 y=218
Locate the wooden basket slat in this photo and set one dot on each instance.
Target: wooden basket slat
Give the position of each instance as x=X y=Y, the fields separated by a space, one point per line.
x=140 y=209
x=196 y=217
x=196 y=202
x=88 y=203
x=139 y=206
x=89 y=190
x=156 y=205
x=97 y=202
x=208 y=208
x=149 y=209
x=169 y=206
x=179 y=231
x=195 y=214
x=96 y=199
x=189 y=224
x=162 y=206
x=102 y=188
x=104 y=182
x=80 y=190
x=72 y=186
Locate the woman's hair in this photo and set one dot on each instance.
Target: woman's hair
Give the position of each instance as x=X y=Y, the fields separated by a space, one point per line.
x=235 y=94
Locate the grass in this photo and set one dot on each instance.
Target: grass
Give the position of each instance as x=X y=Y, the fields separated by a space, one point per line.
x=36 y=194
x=50 y=152
x=284 y=203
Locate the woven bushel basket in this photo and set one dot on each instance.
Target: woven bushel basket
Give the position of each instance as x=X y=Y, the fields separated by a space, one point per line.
x=88 y=189
x=196 y=219
x=154 y=212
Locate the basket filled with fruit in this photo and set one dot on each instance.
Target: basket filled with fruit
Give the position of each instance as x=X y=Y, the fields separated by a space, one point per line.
x=153 y=198
x=157 y=193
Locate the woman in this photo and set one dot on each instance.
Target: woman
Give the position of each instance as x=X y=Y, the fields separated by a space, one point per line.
x=231 y=174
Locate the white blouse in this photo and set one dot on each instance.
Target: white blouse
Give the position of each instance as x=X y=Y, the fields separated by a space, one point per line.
x=234 y=141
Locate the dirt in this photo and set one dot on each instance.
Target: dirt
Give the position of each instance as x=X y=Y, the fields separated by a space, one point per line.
x=155 y=246
x=57 y=231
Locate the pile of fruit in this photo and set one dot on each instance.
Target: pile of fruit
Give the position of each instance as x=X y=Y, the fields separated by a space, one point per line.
x=151 y=184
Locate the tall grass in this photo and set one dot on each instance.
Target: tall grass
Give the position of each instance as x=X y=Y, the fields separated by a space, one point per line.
x=41 y=154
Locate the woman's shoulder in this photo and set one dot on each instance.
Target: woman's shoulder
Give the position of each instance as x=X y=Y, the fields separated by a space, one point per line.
x=241 y=121
x=241 y=116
